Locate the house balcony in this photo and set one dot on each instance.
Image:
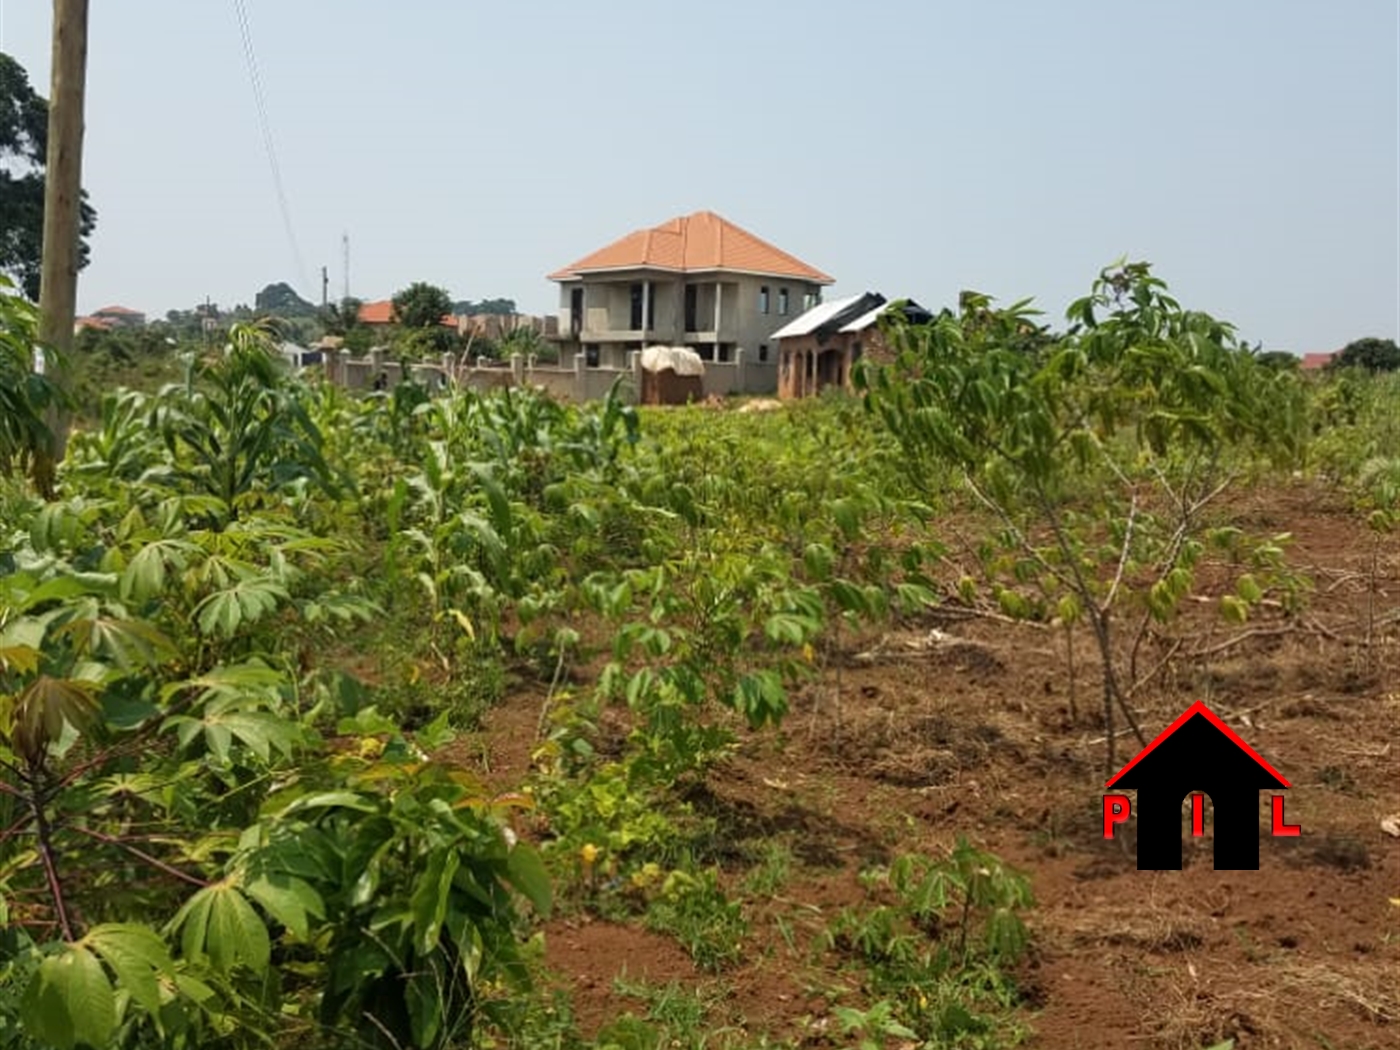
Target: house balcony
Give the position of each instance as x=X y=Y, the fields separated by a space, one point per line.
x=616 y=335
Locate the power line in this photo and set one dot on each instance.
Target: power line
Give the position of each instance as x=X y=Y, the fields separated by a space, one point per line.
x=246 y=31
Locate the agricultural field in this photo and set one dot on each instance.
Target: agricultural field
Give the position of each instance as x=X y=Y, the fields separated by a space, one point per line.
x=486 y=721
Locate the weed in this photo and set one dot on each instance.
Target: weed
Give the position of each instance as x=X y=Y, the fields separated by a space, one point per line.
x=694 y=910
x=772 y=872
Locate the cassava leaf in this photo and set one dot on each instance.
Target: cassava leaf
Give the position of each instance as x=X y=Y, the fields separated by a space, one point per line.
x=138 y=957
x=70 y=1002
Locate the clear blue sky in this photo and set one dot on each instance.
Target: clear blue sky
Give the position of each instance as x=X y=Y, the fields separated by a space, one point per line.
x=913 y=147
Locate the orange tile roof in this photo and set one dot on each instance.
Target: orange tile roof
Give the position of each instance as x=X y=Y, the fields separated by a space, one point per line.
x=382 y=312
x=119 y=311
x=1315 y=361
x=694 y=243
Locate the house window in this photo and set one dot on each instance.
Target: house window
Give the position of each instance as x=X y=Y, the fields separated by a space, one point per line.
x=763 y=352
x=725 y=353
x=809 y=300
x=636 y=318
x=782 y=301
x=855 y=351
x=590 y=355
x=763 y=299
x=706 y=351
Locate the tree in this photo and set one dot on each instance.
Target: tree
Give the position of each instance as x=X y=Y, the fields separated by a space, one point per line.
x=24 y=140
x=500 y=307
x=1278 y=360
x=1374 y=355
x=343 y=317
x=1096 y=457
x=422 y=305
x=281 y=300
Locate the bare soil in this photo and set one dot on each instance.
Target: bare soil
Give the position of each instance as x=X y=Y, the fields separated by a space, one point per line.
x=960 y=724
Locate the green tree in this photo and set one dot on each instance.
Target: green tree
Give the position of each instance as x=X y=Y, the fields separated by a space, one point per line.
x=500 y=307
x=281 y=300
x=24 y=117
x=422 y=305
x=342 y=318
x=1279 y=360
x=1374 y=355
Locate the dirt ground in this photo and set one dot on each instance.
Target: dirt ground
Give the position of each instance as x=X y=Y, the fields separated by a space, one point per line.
x=960 y=724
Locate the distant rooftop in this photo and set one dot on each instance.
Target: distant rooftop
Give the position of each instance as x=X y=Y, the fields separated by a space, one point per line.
x=382 y=312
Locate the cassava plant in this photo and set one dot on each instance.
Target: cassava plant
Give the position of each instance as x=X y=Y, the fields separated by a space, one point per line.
x=25 y=396
x=237 y=430
x=1096 y=451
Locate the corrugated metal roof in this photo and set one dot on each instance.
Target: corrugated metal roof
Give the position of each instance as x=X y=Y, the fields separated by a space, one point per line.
x=807 y=323
x=864 y=321
x=912 y=311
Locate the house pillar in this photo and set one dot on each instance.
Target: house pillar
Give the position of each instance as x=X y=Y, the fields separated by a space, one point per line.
x=679 y=339
x=646 y=309
x=719 y=296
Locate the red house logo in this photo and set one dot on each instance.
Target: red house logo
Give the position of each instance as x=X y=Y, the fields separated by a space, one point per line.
x=1199 y=755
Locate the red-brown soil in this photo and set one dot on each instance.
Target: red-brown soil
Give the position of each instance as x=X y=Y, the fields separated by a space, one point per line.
x=959 y=725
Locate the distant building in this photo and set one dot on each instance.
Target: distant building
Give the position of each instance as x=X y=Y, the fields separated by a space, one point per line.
x=696 y=281
x=380 y=314
x=299 y=356
x=1314 y=362
x=820 y=348
x=118 y=317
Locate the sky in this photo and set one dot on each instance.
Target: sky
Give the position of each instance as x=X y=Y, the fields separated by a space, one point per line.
x=1249 y=149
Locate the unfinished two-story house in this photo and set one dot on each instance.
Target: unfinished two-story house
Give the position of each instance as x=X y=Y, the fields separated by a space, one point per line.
x=697 y=281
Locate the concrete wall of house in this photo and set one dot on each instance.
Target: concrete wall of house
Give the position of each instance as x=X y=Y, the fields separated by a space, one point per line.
x=721 y=380
x=607 y=309
x=743 y=323
x=760 y=377
x=753 y=327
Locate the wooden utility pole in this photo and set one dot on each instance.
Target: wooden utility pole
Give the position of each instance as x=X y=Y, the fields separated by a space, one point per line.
x=63 y=181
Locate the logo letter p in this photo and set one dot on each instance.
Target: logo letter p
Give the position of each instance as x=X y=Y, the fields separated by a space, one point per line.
x=1116 y=809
